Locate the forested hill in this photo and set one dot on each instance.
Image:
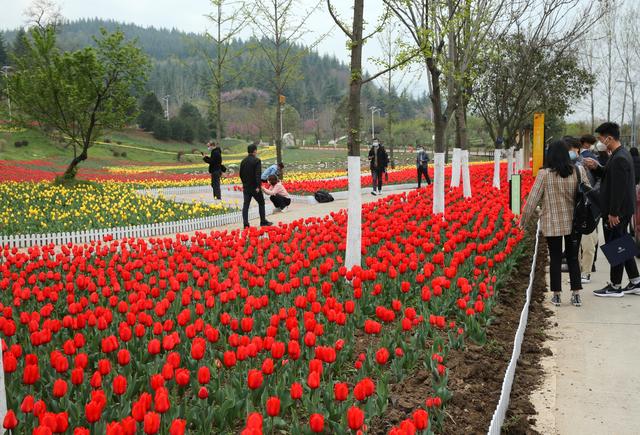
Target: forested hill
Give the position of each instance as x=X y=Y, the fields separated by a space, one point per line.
x=179 y=68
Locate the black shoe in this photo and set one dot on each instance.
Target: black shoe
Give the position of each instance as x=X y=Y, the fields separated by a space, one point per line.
x=266 y=224
x=555 y=299
x=609 y=292
x=576 y=300
x=631 y=289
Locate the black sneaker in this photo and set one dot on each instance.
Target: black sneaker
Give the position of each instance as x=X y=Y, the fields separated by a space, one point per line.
x=266 y=224
x=576 y=300
x=555 y=299
x=632 y=289
x=609 y=292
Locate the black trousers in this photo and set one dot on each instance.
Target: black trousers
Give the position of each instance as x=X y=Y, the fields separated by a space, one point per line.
x=215 y=184
x=612 y=233
x=376 y=175
x=423 y=170
x=247 y=194
x=280 y=201
x=572 y=247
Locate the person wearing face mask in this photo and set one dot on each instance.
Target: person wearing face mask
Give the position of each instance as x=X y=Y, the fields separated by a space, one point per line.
x=617 y=203
x=603 y=153
x=378 y=161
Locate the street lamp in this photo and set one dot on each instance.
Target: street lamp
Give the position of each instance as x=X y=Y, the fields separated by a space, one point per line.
x=5 y=71
x=166 y=110
x=633 y=109
x=373 y=109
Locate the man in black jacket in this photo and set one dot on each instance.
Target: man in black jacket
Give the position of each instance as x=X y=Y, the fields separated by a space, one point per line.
x=250 y=172
x=378 y=161
x=618 y=203
x=215 y=168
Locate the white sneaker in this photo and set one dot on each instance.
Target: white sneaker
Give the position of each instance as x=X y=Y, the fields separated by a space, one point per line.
x=282 y=210
x=374 y=193
x=586 y=279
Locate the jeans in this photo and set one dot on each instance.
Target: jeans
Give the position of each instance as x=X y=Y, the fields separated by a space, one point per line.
x=423 y=170
x=280 y=201
x=615 y=233
x=572 y=242
x=376 y=176
x=215 y=184
x=247 y=194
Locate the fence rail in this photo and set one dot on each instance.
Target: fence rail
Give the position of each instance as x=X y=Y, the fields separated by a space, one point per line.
x=135 y=231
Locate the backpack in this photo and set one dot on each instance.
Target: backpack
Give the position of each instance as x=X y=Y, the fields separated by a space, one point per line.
x=323 y=196
x=586 y=212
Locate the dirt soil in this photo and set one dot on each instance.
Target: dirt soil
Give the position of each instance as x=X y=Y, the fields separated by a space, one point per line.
x=476 y=372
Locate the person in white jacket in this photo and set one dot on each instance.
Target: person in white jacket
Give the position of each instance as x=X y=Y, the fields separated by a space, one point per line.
x=278 y=194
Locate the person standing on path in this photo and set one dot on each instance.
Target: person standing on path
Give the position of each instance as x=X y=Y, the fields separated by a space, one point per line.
x=378 y=161
x=250 y=171
x=617 y=203
x=422 y=164
x=556 y=186
x=215 y=168
x=278 y=194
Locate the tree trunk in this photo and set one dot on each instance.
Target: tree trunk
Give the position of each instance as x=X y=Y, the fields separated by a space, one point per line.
x=72 y=169
x=440 y=126
x=219 y=79
x=353 y=255
x=279 y=133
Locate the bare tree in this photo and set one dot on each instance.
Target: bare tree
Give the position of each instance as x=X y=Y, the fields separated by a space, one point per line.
x=43 y=14
x=356 y=40
x=278 y=25
x=229 y=20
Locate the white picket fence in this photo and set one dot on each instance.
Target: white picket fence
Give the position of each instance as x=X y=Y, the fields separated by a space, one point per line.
x=135 y=231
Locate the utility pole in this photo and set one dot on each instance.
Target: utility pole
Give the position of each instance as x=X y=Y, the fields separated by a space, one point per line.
x=5 y=71
x=166 y=110
x=373 y=109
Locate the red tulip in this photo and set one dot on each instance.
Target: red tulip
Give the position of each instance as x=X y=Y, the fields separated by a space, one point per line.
x=313 y=381
x=316 y=423
x=178 y=427
x=151 y=423
x=119 y=385
x=204 y=375
x=273 y=406
x=355 y=418
x=421 y=419
x=92 y=411
x=254 y=379
x=382 y=356
x=229 y=359
x=10 y=420
x=203 y=393
x=341 y=391
x=296 y=391
x=59 y=388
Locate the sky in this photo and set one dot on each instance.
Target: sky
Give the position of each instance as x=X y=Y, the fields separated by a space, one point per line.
x=188 y=15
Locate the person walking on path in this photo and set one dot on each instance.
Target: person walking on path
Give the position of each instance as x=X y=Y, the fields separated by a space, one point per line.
x=556 y=185
x=378 y=161
x=617 y=203
x=215 y=167
x=422 y=163
x=250 y=171
x=275 y=169
x=278 y=194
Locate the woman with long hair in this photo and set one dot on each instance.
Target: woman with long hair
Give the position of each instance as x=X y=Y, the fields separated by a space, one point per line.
x=556 y=186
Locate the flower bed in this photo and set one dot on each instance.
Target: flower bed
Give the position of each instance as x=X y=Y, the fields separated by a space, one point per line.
x=253 y=331
x=42 y=207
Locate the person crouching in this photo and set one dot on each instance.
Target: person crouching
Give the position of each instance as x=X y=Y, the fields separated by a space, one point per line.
x=278 y=194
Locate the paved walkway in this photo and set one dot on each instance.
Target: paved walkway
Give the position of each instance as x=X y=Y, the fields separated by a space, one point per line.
x=294 y=212
x=592 y=381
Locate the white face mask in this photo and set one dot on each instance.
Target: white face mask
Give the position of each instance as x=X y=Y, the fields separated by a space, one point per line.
x=600 y=146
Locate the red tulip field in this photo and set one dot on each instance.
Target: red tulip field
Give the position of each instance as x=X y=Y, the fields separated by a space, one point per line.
x=256 y=331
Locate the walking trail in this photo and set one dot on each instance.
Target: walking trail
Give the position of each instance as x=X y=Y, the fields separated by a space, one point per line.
x=592 y=380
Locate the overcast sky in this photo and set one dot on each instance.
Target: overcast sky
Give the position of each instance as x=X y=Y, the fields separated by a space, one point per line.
x=188 y=15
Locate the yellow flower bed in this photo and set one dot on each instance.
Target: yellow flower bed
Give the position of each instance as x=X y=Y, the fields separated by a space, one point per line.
x=46 y=208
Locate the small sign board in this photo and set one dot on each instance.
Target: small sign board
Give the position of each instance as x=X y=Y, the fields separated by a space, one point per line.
x=515 y=198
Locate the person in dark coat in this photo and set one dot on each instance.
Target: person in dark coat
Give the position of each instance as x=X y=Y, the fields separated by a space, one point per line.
x=250 y=172
x=635 y=155
x=378 y=161
x=215 y=168
x=422 y=164
x=617 y=205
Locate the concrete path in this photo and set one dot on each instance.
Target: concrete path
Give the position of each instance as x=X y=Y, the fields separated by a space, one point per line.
x=592 y=381
x=297 y=210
